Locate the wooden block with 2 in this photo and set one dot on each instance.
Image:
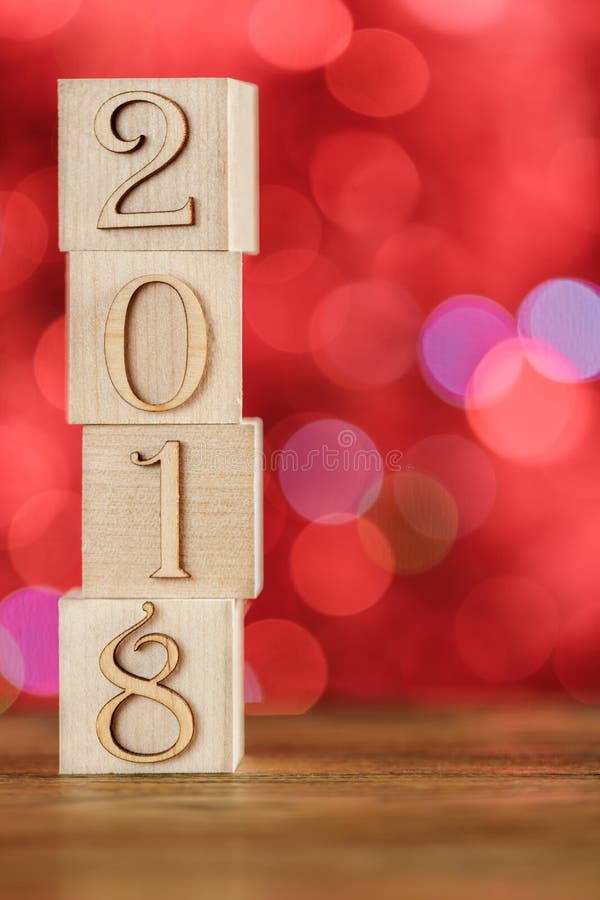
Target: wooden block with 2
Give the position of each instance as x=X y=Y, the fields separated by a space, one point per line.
x=158 y=164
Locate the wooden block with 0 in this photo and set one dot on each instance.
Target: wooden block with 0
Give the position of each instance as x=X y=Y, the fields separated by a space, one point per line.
x=155 y=337
x=158 y=164
x=172 y=510
x=150 y=687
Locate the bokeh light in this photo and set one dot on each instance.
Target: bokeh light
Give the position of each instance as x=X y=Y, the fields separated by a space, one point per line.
x=564 y=314
x=418 y=516
x=519 y=413
x=364 y=180
x=558 y=546
x=23 y=238
x=364 y=334
x=299 y=34
x=456 y=16
x=252 y=689
x=41 y=186
x=330 y=471
x=35 y=460
x=35 y=18
x=12 y=669
x=281 y=314
x=574 y=181
x=381 y=73
x=431 y=672
x=332 y=571
x=83 y=50
x=464 y=469
x=456 y=337
x=577 y=658
x=49 y=363
x=506 y=628
x=30 y=616
x=290 y=234
x=289 y=664
x=274 y=512
x=44 y=539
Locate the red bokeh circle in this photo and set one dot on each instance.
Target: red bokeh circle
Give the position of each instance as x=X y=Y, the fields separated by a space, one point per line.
x=334 y=574
x=506 y=628
x=290 y=234
x=577 y=658
x=49 y=363
x=364 y=181
x=364 y=334
x=381 y=73
x=289 y=664
x=44 y=539
x=24 y=238
x=299 y=35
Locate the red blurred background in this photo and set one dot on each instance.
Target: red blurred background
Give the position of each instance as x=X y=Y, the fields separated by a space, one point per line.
x=422 y=324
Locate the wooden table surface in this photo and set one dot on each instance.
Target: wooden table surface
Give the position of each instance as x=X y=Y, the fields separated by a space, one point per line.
x=491 y=805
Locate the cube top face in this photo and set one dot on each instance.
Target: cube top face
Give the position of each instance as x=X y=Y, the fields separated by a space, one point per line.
x=127 y=711
x=172 y=511
x=155 y=337
x=158 y=164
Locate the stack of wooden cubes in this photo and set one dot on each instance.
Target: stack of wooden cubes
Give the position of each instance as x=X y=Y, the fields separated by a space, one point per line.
x=158 y=201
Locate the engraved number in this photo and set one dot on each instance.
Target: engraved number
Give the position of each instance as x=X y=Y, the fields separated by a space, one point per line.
x=151 y=688
x=168 y=459
x=176 y=134
x=114 y=342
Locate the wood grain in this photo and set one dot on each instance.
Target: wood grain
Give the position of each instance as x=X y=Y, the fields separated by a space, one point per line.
x=501 y=804
x=220 y=512
x=216 y=167
x=196 y=709
x=157 y=332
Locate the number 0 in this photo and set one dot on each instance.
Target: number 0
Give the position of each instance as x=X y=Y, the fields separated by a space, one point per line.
x=114 y=342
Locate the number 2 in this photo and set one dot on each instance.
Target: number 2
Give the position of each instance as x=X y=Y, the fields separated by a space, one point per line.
x=176 y=135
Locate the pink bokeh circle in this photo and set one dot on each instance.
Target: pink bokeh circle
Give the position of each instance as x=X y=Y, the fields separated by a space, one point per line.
x=330 y=471
x=455 y=338
x=12 y=669
x=30 y=615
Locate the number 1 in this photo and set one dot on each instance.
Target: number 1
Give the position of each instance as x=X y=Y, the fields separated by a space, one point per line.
x=168 y=459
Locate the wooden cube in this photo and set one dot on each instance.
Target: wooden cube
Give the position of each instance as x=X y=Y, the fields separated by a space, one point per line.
x=172 y=511
x=158 y=164
x=142 y=326
x=150 y=687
